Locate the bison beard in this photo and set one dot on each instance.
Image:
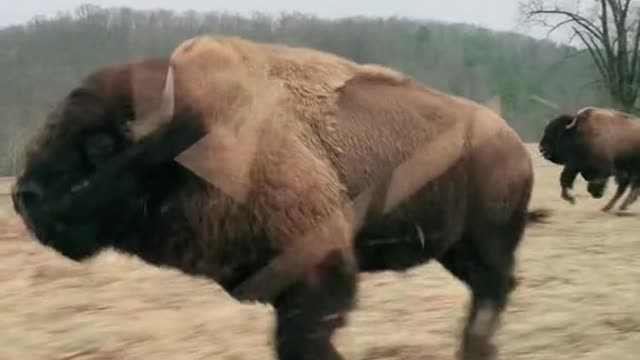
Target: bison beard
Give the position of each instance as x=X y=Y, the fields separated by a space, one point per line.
x=448 y=180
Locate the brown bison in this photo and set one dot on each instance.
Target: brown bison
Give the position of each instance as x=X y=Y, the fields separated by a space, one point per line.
x=596 y=143
x=235 y=159
x=554 y=147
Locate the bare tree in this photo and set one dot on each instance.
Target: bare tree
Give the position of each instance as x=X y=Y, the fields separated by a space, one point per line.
x=609 y=31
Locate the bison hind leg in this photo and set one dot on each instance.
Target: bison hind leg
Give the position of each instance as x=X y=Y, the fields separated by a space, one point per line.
x=632 y=196
x=627 y=168
x=484 y=260
x=309 y=312
x=623 y=183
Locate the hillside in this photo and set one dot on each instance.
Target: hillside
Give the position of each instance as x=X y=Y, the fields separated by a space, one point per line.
x=41 y=60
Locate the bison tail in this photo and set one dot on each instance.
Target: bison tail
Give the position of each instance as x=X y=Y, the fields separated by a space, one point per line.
x=538 y=216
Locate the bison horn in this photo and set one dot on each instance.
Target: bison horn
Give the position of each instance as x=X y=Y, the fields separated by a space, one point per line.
x=582 y=113
x=140 y=128
x=168 y=100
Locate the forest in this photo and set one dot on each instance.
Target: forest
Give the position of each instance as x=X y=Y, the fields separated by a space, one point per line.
x=530 y=80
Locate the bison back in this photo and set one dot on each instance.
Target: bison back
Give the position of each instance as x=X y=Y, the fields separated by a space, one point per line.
x=432 y=159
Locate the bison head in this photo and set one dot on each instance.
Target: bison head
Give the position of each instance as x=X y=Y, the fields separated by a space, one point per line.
x=556 y=141
x=87 y=179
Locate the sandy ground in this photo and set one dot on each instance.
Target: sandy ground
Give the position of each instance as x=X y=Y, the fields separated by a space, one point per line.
x=579 y=299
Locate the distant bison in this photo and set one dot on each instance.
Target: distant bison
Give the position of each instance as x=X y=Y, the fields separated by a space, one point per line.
x=236 y=159
x=597 y=143
x=555 y=147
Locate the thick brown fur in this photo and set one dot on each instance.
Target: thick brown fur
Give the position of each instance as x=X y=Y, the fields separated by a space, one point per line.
x=597 y=142
x=306 y=157
x=606 y=133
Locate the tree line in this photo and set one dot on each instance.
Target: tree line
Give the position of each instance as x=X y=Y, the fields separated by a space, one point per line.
x=532 y=80
x=609 y=31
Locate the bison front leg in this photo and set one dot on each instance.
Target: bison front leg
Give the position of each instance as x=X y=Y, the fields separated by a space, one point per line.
x=309 y=312
x=312 y=285
x=312 y=308
x=567 y=178
x=313 y=281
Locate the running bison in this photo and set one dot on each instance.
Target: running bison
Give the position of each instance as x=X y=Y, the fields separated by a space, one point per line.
x=257 y=165
x=596 y=143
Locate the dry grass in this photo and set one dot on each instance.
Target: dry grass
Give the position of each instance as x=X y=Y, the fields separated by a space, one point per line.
x=579 y=299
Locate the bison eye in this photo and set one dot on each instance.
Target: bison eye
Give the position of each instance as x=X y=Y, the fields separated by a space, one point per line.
x=99 y=147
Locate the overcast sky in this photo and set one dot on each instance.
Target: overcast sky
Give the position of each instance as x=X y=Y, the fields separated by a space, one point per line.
x=494 y=14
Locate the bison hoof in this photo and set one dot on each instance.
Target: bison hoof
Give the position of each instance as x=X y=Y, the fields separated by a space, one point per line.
x=477 y=350
x=567 y=196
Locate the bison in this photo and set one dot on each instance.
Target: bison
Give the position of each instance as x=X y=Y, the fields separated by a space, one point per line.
x=596 y=143
x=239 y=160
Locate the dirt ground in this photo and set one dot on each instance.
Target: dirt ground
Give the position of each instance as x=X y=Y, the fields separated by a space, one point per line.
x=579 y=299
